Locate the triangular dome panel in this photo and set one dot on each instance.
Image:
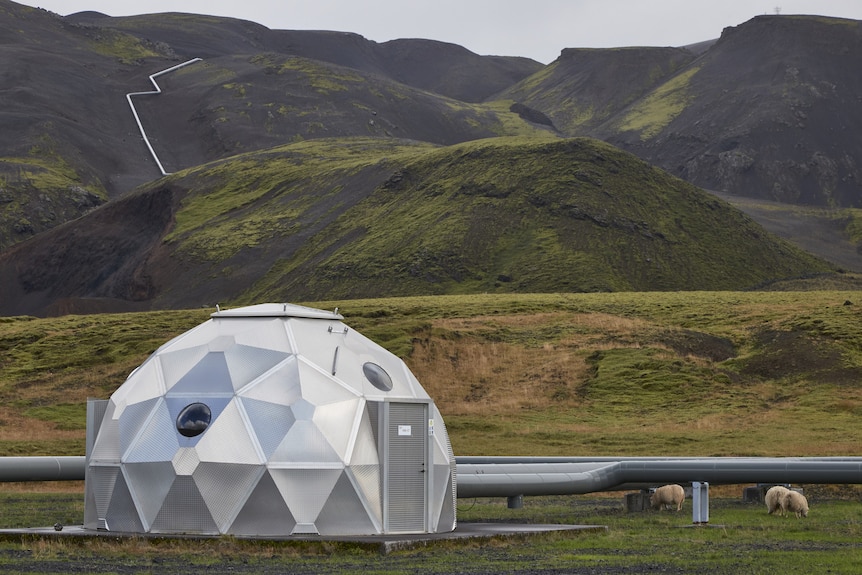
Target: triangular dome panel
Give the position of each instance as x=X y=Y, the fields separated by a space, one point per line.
x=122 y=515
x=319 y=388
x=280 y=386
x=336 y=421
x=154 y=443
x=225 y=487
x=367 y=478
x=176 y=364
x=143 y=384
x=344 y=512
x=365 y=444
x=101 y=480
x=209 y=375
x=447 y=518
x=270 y=423
x=305 y=490
x=150 y=482
x=106 y=447
x=305 y=444
x=314 y=341
x=265 y=512
x=184 y=510
x=227 y=440
x=247 y=363
x=131 y=421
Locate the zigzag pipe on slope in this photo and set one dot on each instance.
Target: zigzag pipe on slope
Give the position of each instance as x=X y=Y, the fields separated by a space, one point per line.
x=158 y=90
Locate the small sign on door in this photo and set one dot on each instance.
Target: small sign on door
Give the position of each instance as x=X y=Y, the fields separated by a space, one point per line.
x=405 y=430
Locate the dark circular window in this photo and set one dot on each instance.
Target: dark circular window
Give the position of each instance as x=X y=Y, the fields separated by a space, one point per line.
x=194 y=419
x=377 y=376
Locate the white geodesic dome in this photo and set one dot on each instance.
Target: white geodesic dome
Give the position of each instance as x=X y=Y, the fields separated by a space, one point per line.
x=269 y=420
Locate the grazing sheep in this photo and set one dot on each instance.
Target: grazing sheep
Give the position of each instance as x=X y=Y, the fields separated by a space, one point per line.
x=773 y=499
x=794 y=502
x=666 y=496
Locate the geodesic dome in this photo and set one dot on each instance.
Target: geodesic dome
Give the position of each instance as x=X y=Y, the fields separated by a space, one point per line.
x=269 y=420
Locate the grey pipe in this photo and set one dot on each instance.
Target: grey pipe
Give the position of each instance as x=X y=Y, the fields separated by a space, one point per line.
x=46 y=468
x=512 y=476
x=501 y=478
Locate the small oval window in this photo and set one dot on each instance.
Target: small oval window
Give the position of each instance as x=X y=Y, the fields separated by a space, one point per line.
x=377 y=376
x=194 y=419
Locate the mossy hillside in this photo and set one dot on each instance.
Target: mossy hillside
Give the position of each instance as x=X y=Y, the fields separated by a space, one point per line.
x=670 y=373
x=238 y=204
x=520 y=216
x=581 y=89
x=654 y=112
x=125 y=47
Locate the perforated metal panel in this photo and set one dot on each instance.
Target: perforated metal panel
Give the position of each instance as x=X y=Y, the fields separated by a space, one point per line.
x=184 y=510
x=225 y=487
x=406 y=468
x=151 y=483
x=96 y=409
x=121 y=514
x=265 y=512
x=345 y=512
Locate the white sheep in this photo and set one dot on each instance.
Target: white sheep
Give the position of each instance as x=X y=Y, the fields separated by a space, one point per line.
x=773 y=499
x=666 y=496
x=794 y=502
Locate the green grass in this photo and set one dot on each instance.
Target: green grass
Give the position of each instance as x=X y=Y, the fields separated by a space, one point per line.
x=741 y=537
x=674 y=373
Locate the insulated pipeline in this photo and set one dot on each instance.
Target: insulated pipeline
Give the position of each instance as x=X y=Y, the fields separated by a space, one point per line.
x=506 y=479
x=71 y=468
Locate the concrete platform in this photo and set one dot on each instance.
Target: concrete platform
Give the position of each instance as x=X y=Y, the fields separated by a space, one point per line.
x=385 y=543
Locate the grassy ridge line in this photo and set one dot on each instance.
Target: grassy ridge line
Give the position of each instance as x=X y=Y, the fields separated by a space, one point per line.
x=674 y=373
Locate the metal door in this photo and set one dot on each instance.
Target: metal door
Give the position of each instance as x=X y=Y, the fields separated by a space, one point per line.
x=406 y=468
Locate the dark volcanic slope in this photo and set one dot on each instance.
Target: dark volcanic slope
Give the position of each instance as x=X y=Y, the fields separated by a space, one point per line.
x=232 y=104
x=440 y=67
x=68 y=140
x=771 y=110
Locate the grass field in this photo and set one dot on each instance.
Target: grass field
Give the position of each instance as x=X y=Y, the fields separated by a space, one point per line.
x=741 y=538
x=682 y=373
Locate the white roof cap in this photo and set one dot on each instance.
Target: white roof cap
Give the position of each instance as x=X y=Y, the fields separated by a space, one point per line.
x=278 y=310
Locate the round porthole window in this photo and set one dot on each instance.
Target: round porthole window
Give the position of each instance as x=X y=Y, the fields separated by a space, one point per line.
x=194 y=419
x=377 y=376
